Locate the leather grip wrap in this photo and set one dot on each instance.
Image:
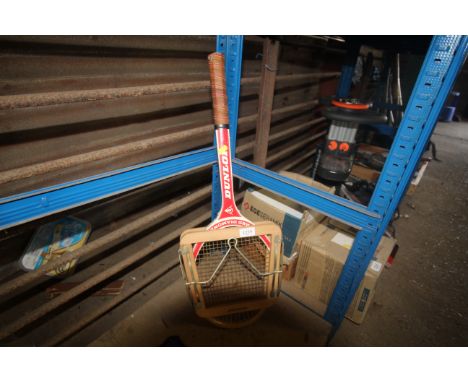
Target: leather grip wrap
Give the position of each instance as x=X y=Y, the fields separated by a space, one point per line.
x=218 y=88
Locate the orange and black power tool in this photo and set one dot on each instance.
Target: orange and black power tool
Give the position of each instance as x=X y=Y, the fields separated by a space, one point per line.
x=335 y=159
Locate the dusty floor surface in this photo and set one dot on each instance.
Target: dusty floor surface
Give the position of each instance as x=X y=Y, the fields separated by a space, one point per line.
x=170 y=315
x=423 y=299
x=420 y=301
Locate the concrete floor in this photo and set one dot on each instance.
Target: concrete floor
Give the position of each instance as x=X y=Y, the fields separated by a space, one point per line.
x=420 y=301
x=170 y=314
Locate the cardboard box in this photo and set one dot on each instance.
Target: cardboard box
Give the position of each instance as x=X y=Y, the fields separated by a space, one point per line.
x=258 y=207
x=289 y=266
x=365 y=173
x=339 y=226
x=322 y=254
x=292 y=217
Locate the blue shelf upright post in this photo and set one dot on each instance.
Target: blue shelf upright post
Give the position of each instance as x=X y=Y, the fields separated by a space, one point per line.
x=347 y=70
x=443 y=61
x=231 y=47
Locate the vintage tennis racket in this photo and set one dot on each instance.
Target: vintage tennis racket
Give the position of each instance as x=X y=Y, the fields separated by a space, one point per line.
x=232 y=267
x=228 y=215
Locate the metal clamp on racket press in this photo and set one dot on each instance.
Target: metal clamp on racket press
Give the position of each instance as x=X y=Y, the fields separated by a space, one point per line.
x=232 y=243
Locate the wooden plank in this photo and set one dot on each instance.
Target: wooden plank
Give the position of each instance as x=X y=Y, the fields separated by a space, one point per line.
x=417 y=177
x=365 y=147
x=112 y=289
x=266 y=95
x=365 y=173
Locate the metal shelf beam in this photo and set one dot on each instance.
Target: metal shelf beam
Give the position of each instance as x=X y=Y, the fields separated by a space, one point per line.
x=339 y=208
x=32 y=205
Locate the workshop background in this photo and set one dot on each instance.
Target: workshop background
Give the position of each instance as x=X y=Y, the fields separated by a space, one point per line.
x=72 y=107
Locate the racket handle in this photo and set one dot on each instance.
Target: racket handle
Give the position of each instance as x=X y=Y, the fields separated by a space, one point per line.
x=218 y=89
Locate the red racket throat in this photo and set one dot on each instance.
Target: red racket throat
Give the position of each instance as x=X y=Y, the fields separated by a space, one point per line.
x=228 y=215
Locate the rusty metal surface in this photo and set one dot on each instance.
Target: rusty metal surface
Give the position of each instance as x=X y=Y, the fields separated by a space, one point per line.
x=56 y=98
x=80 y=159
x=138 y=225
x=94 y=280
x=271 y=51
x=65 y=97
x=72 y=107
x=129 y=148
x=173 y=43
x=105 y=242
x=95 y=247
x=60 y=335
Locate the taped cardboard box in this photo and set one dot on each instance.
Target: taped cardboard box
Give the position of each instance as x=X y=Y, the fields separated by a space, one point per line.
x=289 y=266
x=322 y=254
x=308 y=222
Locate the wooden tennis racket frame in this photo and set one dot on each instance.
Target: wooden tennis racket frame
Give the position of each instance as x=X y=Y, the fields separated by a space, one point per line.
x=194 y=284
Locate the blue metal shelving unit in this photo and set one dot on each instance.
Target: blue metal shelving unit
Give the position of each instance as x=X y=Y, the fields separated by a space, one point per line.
x=444 y=59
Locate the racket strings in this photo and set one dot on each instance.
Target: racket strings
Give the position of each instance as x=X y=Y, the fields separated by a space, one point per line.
x=235 y=279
